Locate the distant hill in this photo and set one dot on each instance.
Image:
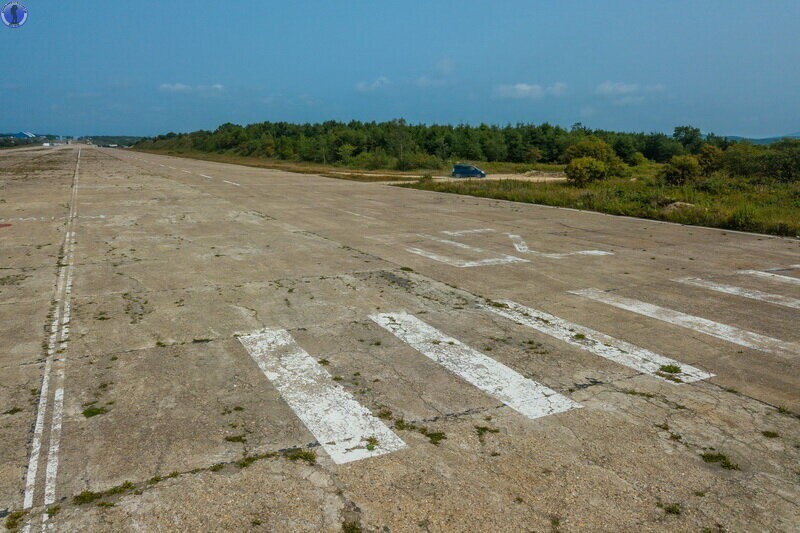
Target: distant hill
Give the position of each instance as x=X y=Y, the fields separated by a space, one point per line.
x=765 y=140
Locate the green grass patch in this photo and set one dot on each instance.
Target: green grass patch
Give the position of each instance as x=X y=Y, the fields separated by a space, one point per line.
x=14 y=520
x=721 y=459
x=309 y=456
x=746 y=204
x=89 y=496
x=670 y=369
x=94 y=411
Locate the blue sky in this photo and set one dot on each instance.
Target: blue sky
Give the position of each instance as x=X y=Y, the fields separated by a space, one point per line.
x=147 y=67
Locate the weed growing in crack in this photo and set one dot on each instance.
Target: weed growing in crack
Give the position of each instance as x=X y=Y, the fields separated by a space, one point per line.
x=720 y=458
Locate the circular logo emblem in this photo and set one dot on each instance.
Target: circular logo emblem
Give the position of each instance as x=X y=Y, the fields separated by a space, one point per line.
x=14 y=14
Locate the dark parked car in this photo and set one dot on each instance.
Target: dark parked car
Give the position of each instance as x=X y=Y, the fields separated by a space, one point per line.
x=467 y=171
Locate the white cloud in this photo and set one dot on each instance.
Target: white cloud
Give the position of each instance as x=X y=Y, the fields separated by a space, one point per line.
x=369 y=87
x=175 y=88
x=614 y=88
x=527 y=91
x=425 y=81
x=629 y=100
x=445 y=66
x=179 y=88
x=623 y=94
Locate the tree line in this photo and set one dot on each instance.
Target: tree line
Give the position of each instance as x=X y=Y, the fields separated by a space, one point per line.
x=402 y=146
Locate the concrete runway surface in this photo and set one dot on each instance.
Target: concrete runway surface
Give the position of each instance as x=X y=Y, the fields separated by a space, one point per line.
x=199 y=346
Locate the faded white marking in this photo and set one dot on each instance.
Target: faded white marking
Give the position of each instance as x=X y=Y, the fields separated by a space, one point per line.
x=51 y=472
x=357 y=214
x=232 y=183
x=619 y=351
x=57 y=343
x=467 y=232
x=725 y=332
x=521 y=246
x=461 y=263
x=186 y=171
x=340 y=424
x=528 y=397
x=753 y=294
x=206 y=177
x=771 y=276
x=170 y=166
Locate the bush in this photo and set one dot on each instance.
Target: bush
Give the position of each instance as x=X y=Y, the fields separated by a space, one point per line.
x=598 y=150
x=583 y=170
x=637 y=159
x=710 y=159
x=742 y=159
x=681 y=169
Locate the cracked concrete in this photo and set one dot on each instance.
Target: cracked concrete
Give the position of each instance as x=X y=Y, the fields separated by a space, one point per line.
x=170 y=267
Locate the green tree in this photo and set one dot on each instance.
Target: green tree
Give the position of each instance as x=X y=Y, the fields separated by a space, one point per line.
x=583 y=170
x=742 y=159
x=681 y=169
x=690 y=138
x=710 y=159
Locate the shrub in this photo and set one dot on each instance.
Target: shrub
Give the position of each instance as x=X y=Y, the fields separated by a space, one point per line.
x=583 y=170
x=681 y=169
x=637 y=159
x=710 y=159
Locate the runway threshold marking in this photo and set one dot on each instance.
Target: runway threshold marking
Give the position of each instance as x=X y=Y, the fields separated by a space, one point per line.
x=525 y=396
x=343 y=427
x=771 y=276
x=777 y=299
x=503 y=259
x=521 y=246
x=619 y=351
x=748 y=339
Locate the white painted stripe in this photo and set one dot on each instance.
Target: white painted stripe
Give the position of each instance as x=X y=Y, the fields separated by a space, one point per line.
x=467 y=232
x=725 y=332
x=771 y=276
x=521 y=246
x=232 y=183
x=186 y=171
x=528 y=397
x=206 y=177
x=170 y=166
x=619 y=351
x=461 y=263
x=340 y=424
x=51 y=472
x=357 y=214
x=59 y=335
x=753 y=294
x=780 y=269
